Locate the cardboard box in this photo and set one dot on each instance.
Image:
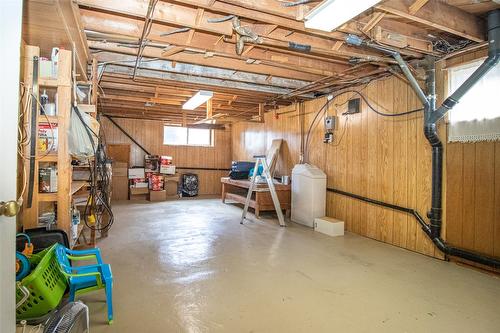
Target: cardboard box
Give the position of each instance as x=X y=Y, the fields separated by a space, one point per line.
x=152 y=163
x=136 y=173
x=156 y=182
x=141 y=184
x=138 y=190
x=171 y=187
x=167 y=169
x=47 y=181
x=329 y=226
x=139 y=197
x=158 y=195
x=46 y=68
x=119 y=187
x=120 y=169
x=165 y=161
x=47 y=137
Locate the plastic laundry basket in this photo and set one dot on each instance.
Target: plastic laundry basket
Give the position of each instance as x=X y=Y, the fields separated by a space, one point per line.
x=46 y=286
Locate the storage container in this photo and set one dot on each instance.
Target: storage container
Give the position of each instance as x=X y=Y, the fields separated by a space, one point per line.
x=308 y=194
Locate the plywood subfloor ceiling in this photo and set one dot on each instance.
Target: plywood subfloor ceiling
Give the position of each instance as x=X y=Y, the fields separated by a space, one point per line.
x=155 y=54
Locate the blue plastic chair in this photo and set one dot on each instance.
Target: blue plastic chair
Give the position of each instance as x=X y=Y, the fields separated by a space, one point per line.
x=84 y=279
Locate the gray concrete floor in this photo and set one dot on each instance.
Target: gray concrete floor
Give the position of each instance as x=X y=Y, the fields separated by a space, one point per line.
x=189 y=266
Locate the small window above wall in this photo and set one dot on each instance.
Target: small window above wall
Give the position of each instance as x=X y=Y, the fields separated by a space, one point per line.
x=477 y=117
x=184 y=136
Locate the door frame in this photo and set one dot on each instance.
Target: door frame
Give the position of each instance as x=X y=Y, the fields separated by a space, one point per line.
x=11 y=12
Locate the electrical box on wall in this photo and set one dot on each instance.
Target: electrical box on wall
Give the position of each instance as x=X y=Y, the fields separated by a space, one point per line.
x=353 y=106
x=330 y=122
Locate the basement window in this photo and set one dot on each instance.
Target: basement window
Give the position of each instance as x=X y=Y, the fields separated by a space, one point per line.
x=184 y=136
x=477 y=116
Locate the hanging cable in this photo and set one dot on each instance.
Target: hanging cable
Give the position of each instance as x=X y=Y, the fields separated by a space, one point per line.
x=322 y=111
x=98 y=200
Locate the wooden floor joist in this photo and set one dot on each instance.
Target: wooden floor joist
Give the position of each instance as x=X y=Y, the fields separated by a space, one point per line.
x=196 y=42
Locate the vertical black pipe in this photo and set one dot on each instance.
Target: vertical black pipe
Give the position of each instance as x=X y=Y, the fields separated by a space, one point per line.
x=431 y=117
x=430 y=131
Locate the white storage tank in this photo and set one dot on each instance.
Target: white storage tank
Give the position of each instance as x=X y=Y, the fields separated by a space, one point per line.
x=308 y=194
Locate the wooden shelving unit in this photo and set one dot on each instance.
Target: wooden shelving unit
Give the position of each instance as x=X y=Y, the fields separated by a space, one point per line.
x=61 y=157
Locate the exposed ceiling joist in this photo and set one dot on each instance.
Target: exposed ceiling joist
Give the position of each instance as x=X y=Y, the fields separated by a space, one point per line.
x=219 y=61
x=441 y=16
x=197 y=80
x=200 y=71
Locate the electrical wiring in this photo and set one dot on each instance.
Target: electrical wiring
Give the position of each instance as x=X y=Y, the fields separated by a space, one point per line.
x=322 y=111
x=24 y=139
x=370 y=106
x=98 y=200
x=343 y=132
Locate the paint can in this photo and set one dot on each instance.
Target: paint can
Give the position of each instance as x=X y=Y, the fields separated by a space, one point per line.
x=285 y=180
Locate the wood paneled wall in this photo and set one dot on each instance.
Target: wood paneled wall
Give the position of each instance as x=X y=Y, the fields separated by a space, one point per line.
x=389 y=159
x=378 y=157
x=149 y=134
x=473 y=189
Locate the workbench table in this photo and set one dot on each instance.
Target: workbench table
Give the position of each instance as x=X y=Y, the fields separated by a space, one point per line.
x=237 y=190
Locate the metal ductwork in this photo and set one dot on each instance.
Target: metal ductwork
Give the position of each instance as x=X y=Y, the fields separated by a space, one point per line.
x=244 y=35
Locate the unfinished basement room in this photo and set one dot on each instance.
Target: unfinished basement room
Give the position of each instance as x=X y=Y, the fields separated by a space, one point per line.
x=250 y=166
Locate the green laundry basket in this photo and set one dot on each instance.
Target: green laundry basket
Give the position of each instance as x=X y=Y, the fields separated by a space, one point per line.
x=42 y=290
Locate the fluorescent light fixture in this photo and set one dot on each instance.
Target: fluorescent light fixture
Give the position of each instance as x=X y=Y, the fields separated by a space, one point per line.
x=201 y=97
x=332 y=14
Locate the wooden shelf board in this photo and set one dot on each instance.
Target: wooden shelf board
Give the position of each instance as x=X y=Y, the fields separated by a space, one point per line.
x=47 y=197
x=48 y=82
x=51 y=119
x=76 y=185
x=48 y=158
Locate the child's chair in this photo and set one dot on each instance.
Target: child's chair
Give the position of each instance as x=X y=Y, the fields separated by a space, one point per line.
x=83 y=279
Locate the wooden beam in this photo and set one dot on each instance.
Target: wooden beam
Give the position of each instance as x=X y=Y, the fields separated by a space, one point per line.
x=441 y=16
x=101 y=24
x=209 y=108
x=220 y=61
x=180 y=16
x=415 y=7
x=377 y=16
x=95 y=83
x=261 y=112
x=171 y=51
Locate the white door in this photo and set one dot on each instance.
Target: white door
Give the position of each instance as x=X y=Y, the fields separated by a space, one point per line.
x=10 y=41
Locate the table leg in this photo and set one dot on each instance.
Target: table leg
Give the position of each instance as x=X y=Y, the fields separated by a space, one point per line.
x=223 y=193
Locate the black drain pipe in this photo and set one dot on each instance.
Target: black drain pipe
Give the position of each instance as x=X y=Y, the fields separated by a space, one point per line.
x=431 y=118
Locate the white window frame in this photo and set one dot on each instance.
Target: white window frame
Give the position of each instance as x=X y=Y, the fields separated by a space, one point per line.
x=211 y=144
x=467 y=125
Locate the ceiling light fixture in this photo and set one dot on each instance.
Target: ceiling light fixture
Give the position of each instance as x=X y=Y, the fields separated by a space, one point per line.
x=332 y=14
x=201 y=97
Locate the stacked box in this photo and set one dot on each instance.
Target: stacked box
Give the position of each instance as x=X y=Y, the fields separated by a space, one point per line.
x=166 y=166
x=47 y=180
x=47 y=137
x=152 y=163
x=136 y=173
x=157 y=195
x=156 y=182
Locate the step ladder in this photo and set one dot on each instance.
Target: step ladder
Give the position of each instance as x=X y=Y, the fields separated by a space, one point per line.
x=261 y=159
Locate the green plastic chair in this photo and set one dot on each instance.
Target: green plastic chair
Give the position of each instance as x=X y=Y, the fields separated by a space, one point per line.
x=84 y=279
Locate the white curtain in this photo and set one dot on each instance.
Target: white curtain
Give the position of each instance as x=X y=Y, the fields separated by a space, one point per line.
x=477 y=116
